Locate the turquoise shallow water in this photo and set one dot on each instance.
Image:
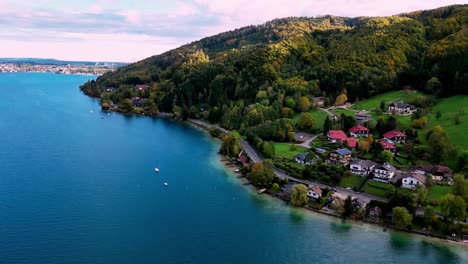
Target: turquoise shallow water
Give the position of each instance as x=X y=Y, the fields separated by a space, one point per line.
x=77 y=186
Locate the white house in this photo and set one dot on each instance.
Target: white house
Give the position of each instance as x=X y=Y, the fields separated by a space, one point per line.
x=395 y=136
x=361 y=167
x=410 y=181
x=384 y=173
x=303 y=159
x=314 y=192
x=400 y=108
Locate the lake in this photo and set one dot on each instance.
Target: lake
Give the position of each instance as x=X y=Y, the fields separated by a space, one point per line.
x=77 y=186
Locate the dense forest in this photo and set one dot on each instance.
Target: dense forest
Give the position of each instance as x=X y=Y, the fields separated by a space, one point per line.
x=255 y=79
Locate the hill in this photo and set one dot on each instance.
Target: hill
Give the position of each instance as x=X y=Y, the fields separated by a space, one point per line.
x=258 y=77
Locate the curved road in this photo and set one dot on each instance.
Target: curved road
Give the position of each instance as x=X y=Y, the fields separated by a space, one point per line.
x=255 y=156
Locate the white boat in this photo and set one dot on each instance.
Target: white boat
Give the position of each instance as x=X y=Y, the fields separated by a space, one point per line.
x=156 y=169
x=262 y=191
x=165 y=184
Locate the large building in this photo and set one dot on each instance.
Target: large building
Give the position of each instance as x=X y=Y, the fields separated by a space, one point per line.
x=384 y=172
x=340 y=157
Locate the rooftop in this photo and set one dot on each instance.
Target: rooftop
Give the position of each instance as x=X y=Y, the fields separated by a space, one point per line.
x=393 y=134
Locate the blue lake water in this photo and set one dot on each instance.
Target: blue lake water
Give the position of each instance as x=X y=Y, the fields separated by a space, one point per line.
x=78 y=186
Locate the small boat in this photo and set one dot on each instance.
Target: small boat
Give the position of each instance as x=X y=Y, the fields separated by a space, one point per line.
x=261 y=191
x=165 y=184
x=156 y=169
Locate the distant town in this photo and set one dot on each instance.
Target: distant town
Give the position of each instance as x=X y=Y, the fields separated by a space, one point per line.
x=56 y=66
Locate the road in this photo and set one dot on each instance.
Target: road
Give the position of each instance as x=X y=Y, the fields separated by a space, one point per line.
x=255 y=156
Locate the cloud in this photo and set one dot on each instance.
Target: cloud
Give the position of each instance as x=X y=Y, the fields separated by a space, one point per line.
x=115 y=26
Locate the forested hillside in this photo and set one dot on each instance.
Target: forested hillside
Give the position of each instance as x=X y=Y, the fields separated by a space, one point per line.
x=261 y=76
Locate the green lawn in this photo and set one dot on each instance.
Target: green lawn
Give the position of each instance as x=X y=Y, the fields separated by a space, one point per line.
x=450 y=107
x=283 y=150
x=319 y=117
x=385 y=190
x=436 y=192
x=389 y=97
x=350 y=181
x=339 y=111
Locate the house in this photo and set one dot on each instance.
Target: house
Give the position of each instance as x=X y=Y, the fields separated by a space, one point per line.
x=437 y=172
x=303 y=159
x=336 y=136
x=388 y=146
x=359 y=202
x=340 y=157
x=138 y=101
x=375 y=213
x=314 y=192
x=400 y=108
x=359 y=131
x=411 y=180
x=319 y=101
x=243 y=159
x=141 y=87
x=320 y=150
x=384 y=172
x=340 y=136
x=111 y=89
x=362 y=117
x=361 y=167
x=395 y=136
x=352 y=142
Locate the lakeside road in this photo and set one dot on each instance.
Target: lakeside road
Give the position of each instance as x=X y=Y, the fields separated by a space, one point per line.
x=256 y=156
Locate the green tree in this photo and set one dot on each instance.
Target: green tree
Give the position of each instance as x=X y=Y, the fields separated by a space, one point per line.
x=401 y=217
x=341 y=99
x=382 y=106
x=433 y=86
x=306 y=122
x=275 y=188
x=453 y=206
x=230 y=144
x=439 y=145
x=460 y=186
x=268 y=149
x=429 y=213
x=348 y=207
x=304 y=104
x=261 y=174
x=421 y=194
x=386 y=155
x=299 y=195
x=126 y=106
x=327 y=125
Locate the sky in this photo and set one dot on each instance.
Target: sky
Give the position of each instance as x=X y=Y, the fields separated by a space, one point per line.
x=128 y=31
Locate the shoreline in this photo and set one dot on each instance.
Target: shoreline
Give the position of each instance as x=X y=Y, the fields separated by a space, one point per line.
x=243 y=181
x=221 y=159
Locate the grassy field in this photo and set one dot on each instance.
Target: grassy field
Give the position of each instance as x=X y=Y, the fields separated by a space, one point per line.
x=389 y=97
x=379 y=189
x=436 y=192
x=319 y=117
x=283 y=150
x=449 y=108
x=339 y=111
x=350 y=181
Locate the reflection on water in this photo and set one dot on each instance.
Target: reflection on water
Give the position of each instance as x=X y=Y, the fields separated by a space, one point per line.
x=399 y=241
x=340 y=227
x=296 y=216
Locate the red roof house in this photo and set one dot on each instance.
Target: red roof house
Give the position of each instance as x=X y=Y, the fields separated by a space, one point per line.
x=359 y=131
x=141 y=87
x=352 y=142
x=394 y=136
x=388 y=146
x=336 y=135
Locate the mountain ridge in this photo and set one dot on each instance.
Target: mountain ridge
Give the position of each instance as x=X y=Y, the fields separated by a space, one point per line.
x=275 y=64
